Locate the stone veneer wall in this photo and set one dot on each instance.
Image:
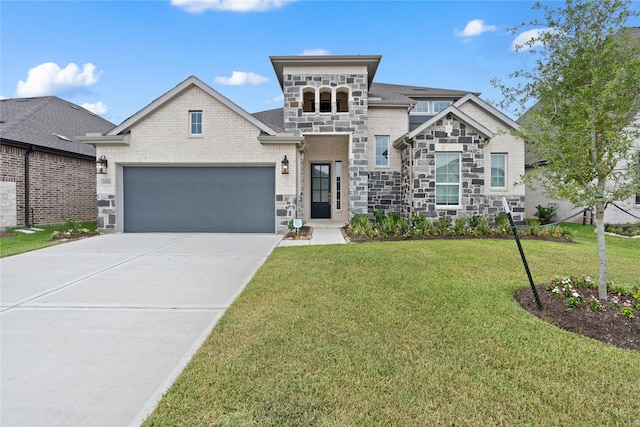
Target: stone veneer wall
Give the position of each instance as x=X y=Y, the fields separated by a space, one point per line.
x=285 y=210
x=475 y=199
x=385 y=192
x=59 y=186
x=353 y=122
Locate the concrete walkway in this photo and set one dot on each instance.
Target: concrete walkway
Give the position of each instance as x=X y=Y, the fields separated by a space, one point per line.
x=93 y=332
x=321 y=236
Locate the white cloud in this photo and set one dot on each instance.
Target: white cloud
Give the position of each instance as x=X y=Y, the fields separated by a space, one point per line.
x=196 y=6
x=475 y=28
x=97 y=108
x=317 y=51
x=276 y=100
x=242 y=78
x=519 y=44
x=48 y=79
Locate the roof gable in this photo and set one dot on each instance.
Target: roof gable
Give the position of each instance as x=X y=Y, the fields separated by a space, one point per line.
x=459 y=114
x=170 y=95
x=490 y=109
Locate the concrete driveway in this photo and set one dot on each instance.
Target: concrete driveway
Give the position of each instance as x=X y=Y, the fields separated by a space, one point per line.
x=94 y=331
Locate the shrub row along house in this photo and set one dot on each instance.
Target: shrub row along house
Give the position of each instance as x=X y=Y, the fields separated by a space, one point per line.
x=192 y=160
x=46 y=174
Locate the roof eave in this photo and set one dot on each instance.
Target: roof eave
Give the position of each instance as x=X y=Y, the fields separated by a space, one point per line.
x=371 y=62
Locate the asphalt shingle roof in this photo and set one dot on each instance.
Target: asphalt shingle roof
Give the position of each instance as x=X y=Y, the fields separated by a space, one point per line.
x=49 y=122
x=391 y=92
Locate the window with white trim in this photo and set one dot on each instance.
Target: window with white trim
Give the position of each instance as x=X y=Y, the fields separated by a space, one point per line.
x=440 y=105
x=447 y=179
x=195 y=122
x=382 y=150
x=498 y=170
x=421 y=107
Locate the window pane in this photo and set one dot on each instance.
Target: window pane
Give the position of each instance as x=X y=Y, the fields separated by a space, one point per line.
x=382 y=150
x=421 y=107
x=446 y=194
x=196 y=122
x=440 y=105
x=447 y=178
x=498 y=170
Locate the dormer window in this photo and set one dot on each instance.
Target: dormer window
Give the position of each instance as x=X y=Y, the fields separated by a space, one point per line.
x=440 y=105
x=421 y=107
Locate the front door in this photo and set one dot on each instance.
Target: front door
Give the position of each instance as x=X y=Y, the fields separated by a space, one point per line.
x=321 y=190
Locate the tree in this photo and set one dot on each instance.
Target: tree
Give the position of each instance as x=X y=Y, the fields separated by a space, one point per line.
x=585 y=87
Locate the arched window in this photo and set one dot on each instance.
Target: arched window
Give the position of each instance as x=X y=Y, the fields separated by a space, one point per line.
x=325 y=100
x=309 y=100
x=342 y=100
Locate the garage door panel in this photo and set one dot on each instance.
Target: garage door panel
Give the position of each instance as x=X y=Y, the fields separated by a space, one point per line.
x=199 y=199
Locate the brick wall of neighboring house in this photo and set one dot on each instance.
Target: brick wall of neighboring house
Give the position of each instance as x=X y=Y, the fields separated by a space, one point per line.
x=59 y=186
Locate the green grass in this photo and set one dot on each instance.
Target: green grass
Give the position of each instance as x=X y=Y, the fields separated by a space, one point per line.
x=21 y=243
x=405 y=334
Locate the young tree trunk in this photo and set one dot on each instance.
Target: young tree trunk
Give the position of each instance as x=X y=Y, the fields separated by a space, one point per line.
x=602 y=253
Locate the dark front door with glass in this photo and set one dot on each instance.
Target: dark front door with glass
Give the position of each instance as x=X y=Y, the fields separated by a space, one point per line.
x=321 y=190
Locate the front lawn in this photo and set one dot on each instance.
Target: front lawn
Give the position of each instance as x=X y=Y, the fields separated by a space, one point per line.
x=408 y=333
x=14 y=242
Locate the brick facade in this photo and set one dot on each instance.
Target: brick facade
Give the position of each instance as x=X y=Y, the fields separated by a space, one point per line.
x=60 y=186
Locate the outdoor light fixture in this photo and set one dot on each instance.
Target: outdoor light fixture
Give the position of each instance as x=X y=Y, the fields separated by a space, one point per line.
x=101 y=165
x=285 y=165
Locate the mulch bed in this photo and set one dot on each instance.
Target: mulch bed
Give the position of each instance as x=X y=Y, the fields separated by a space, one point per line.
x=607 y=326
x=306 y=233
x=356 y=239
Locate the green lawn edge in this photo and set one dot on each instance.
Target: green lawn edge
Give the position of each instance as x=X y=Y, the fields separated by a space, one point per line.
x=408 y=333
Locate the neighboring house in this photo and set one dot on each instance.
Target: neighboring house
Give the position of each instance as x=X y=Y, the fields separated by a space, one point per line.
x=47 y=175
x=192 y=160
x=620 y=212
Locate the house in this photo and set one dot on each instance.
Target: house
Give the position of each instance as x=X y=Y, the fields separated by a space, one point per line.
x=618 y=212
x=46 y=174
x=342 y=144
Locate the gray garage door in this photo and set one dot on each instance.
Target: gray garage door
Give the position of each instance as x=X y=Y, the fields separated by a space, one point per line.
x=199 y=199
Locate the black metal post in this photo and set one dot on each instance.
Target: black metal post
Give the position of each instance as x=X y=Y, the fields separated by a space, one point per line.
x=524 y=259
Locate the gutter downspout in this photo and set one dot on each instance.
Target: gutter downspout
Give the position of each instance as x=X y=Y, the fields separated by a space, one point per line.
x=26 y=187
x=299 y=172
x=410 y=145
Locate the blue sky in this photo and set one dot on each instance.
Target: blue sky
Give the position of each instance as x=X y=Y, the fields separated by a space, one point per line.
x=114 y=57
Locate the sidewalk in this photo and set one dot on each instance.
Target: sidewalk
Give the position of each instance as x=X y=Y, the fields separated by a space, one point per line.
x=321 y=236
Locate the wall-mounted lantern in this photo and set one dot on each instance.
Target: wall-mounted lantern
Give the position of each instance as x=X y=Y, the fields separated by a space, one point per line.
x=101 y=165
x=285 y=165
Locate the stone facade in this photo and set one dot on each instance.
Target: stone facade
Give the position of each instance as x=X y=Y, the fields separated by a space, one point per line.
x=59 y=186
x=385 y=192
x=418 y=173
x=352 y=122
x=285 y=210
